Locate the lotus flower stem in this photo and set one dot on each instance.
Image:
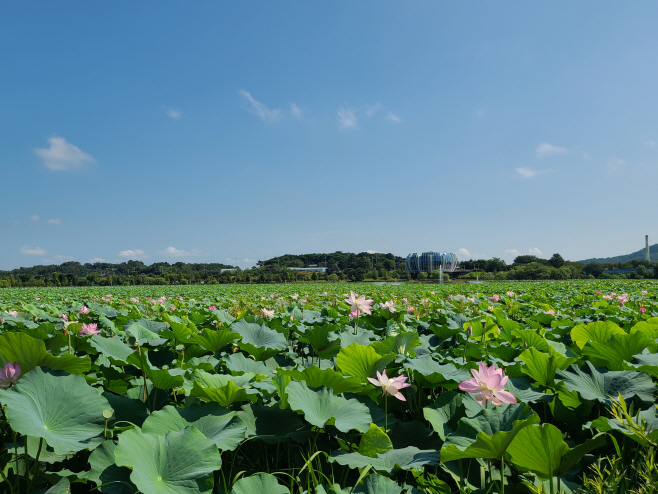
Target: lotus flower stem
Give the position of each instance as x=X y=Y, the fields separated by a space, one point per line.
x=36 y=465
x=4 y=477
x=502 y=474
x=386 y=413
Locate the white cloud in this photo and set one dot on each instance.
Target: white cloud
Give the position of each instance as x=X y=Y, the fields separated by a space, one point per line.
x=54 y=221
x=512 y=252
x=96 y=259
x=614 y=165
x=295 y=110
x=35 y=217
x=545 y=149
x=60 y=257
x=174 y=113
x=133 y=254
x=372 y=252
x=346 y=119
x=526 y=172
x=393 y=117
x=464 y=252
x=63 y=156
x=534 y=252
x=33 y=251
x=260 y=109
x=174 y=252
x=372 y=109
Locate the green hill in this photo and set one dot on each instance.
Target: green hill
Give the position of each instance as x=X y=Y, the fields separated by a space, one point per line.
x=639 y=255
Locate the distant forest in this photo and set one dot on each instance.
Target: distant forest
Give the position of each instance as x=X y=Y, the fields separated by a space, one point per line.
x=341 y=266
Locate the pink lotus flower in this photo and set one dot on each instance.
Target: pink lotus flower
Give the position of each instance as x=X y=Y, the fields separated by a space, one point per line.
x=389 y=306
x=410 y=309
x=84 y=310
x=89 y=329
x=642 y=310
x=390 y=386
x=353 y=315
x=64 y=317
x=404 y=300
x=510 y=294
x=12 y=313
x=212 y=307
x=360 y=304
x=268 y=313
x=495 y=298
x=550 y=311
x=598 y=293
x=644 y=292
x=487 y=384
x=10 y=374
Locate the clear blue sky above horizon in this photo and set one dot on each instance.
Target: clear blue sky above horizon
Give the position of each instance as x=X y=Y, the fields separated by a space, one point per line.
x=206 y=131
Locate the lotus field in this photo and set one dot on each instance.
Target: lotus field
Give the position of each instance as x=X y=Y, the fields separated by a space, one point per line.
x=330 y=388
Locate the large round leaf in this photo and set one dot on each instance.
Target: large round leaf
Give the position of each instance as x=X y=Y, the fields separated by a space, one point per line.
x=258 y=340
x=409 y=458
x=259 y=484
x=181 y=461
x=221 y=426
x=322 y=407
x=377 y=484
x=109 y=478
x=63 y=409
x=595 y=383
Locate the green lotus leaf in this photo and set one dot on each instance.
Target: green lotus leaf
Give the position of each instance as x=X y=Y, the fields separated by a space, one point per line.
x=618 y=349
x=542 y=367
x=322 y=408
x=377 y=484
x=214 y=340
x=431 y=374
x=648 y=328
x=109 y=478
x=361 y=361
x=646 y=363
x=649 y=435
x=259 y=484
x=523 y=390
x=318 y=338
x=221 y=426
x=63 y=409
x=126 y=410
x=181 y=461
x=414 y=433
x=31 y=352
x=225 y=395
x=599 y=331
x=541 y=449
x=489 y=433
x=237 y=362
x=112 y=348
x=273 y=425
x=222 y=316
x=67 y=363
x=374 y=441
x=445 y=412
x=258 y=340
x=61 y=487
x=532 y=339
x=595 y=383
x=402 y=344
x=163 y=379
x=316 y=378
x=140 y=333
x=405 y=459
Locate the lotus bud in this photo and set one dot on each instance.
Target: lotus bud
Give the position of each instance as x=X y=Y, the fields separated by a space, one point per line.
x=469 y=331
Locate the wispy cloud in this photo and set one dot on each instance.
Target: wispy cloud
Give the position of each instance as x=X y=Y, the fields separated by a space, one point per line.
x=534 y=252
x=33 y=251
x=370 y=251
x=96 y=259
x=512 y=252
x=393 y=117
x=174 y=113
x=372 y=109
x=63 y=156
x=260 y=109
x=54 y=221
x=346 y=119
x=174 y=252
x=526 y=172
x=545 y=149
x=133 y=254
x=35 y=217
x=615 y=164
x=464 y=252
x=295 y=110
x=62 y=258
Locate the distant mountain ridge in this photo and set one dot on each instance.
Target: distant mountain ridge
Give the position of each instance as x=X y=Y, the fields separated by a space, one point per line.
x=639 y=255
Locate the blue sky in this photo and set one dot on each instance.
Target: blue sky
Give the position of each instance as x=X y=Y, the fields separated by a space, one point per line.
x=205 y=131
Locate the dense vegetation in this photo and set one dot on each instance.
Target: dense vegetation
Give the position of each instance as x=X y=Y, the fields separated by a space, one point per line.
x=340 y=266
x=280 y=388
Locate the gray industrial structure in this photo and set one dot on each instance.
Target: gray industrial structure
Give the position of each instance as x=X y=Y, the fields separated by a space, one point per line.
x=431 y=261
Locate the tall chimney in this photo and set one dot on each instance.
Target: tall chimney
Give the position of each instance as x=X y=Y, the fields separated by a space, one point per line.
x=646 y=241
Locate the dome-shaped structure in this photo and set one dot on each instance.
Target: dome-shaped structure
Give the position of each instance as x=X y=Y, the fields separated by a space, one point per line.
x=431 y=261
